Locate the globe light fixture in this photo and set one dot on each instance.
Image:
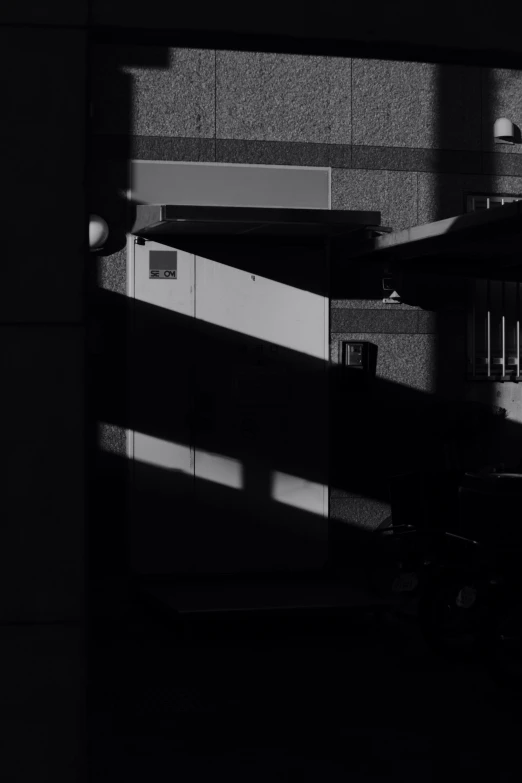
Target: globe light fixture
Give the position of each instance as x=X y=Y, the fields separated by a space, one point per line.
x=98 y=232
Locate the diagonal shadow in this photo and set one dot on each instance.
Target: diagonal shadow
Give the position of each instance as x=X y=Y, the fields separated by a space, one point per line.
x=177 y=359
x=377 y=428
x=207 y=524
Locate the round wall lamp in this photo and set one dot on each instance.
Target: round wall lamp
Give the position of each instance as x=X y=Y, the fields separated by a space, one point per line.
x=98 y=232
x=504 y=131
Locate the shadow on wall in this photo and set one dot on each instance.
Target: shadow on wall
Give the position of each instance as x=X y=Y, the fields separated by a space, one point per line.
x=451 y=194
x=212 y=386
x=377 y=428
x=112 y=143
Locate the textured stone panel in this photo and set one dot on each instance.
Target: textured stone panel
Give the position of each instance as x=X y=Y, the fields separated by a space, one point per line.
x=112 y=272
x=507 y=186
x=283 y=97
x=427 y=322
x=412 y=104
x=368 y=304
x=362 y=512
x=153 y=91
x=408 y=159
x=406 y=359
x=172 y=148
x=393 y=193
x=283 y=153
x=440 y=196
x=112 y=439
x=499 y=164
x=388 y=319
x=374 y=321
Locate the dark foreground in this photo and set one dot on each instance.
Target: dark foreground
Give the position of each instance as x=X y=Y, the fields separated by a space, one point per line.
x=314 y=698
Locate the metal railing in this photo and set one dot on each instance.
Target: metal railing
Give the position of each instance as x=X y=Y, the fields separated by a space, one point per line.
x=492 y=356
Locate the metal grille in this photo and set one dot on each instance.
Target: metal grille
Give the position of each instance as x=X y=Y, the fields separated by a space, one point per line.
x=494 y=317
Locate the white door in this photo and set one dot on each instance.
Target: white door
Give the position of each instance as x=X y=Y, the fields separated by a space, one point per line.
x=261 y=457
x=230 y=405
x=160 y=398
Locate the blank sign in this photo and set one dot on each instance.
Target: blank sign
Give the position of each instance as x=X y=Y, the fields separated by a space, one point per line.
x=228 y=185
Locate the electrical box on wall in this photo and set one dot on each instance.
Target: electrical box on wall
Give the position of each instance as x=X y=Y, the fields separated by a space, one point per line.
x=355 y=355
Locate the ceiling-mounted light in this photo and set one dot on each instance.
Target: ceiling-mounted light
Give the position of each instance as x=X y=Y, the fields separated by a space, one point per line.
x=98 y=232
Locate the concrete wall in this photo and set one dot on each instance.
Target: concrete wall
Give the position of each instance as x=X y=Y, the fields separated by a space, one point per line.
x=407 y=139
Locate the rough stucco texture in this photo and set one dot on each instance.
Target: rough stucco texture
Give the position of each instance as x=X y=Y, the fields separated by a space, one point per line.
x=407 y=359
x=112 y=272
x=402 y=104
x=361 y=512
x=277 y=97
x=153 y=91
x=393 y=193
x=112 y=438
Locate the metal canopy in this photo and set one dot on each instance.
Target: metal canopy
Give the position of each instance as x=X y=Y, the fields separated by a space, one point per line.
x=154 y=221
x=488 y=242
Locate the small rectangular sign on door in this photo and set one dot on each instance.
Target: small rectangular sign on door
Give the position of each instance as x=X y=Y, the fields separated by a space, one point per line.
x=163 y=264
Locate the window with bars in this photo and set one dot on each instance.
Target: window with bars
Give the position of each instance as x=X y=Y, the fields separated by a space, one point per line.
x=475 y=203
x=494 y=317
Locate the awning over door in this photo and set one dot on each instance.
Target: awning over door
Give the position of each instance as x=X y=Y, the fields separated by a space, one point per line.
x=487 y=243
x=156 y=221
x=279 y=243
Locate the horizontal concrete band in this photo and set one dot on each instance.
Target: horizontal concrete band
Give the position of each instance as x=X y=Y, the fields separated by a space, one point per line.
x=305 y=154
x=348 y=321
